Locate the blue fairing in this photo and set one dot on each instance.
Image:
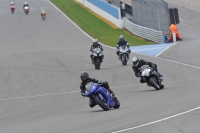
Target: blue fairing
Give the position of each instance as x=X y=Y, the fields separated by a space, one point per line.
x=93 y=90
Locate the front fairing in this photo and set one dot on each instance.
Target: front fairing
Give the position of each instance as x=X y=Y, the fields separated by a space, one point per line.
x=123 y=49
x=93 y=90
x=97 y=52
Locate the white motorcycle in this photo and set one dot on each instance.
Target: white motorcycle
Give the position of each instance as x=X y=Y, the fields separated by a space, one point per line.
x=97 y=57
x=124 y=54
x=149 y=75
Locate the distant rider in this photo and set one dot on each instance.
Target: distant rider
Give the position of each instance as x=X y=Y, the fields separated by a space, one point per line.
x=94 y=45
x=86 y=79
x=121 y=42
x=137 y=64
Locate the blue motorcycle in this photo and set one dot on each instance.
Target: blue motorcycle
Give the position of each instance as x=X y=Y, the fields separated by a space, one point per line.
x=101 y=96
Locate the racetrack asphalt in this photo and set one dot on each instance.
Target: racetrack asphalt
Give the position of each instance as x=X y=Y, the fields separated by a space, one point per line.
x=39 y=80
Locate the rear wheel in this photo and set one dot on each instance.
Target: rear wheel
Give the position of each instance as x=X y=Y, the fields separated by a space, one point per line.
x=152 y=82
x=102 y=103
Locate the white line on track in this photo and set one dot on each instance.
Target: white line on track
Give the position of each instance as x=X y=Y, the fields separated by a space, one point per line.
x=150 y=123
x=38 y=96
x=148 y=49
x=75 y=23
x=165 y=49
x=68 y=92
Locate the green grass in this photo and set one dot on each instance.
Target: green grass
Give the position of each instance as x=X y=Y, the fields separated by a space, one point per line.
x=94 y=26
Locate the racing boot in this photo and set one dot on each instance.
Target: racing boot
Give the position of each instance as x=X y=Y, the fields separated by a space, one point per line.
x=92 y=103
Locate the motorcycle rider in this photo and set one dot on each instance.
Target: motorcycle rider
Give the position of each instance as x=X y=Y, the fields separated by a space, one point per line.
x=137 y=64
x=94 y=45
x=43 y=12
x=121 y=42
x=86 y=79
x=25 y=4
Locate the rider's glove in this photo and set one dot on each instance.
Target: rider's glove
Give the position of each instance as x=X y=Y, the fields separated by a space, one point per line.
x=83 y=94
x=138 y=75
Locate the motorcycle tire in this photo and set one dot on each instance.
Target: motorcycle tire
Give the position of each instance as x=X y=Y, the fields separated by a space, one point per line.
x=97 y=63
x=162 y=85
x=101 y=103
x=117 y=103
x=152 y=82
x=124 y=59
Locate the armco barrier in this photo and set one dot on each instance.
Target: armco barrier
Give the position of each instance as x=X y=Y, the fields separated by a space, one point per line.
x=147 y=33
x=104 y=9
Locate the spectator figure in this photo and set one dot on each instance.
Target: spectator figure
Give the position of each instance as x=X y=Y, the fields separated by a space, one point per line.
x=122 y=5
x=174 y=29
x=109 y=1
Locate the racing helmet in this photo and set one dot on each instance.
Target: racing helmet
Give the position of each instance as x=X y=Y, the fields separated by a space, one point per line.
x=12 y=3
x=95 y=41
x=84 y=76
x=25 y=3
x=121 y=38
x=135 y=61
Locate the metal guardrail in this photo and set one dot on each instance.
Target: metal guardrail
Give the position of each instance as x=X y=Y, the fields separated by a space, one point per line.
x=147 y=33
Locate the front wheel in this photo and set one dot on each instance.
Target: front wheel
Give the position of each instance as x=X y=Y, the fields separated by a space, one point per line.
x=117 y=103
x=161 y=85
x=102 y=103
x=152 y=82
x=124 y=59
x=97 y=63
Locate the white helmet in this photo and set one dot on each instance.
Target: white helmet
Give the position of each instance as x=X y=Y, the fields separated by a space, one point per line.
x=95 y=40
x=12 y=2
x=121 y=37
x=135 y=61
x=25 y=3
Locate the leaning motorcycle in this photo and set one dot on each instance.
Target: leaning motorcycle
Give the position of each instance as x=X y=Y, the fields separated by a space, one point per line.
x=12 y=8
x=149 y=75
x=124 y=54
x=43 y=15
x=101 y=96
x=26 y=10
x=97 y=57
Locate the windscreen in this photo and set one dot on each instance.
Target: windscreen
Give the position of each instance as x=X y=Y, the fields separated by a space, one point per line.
x=144 y=67
x=89 y=86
